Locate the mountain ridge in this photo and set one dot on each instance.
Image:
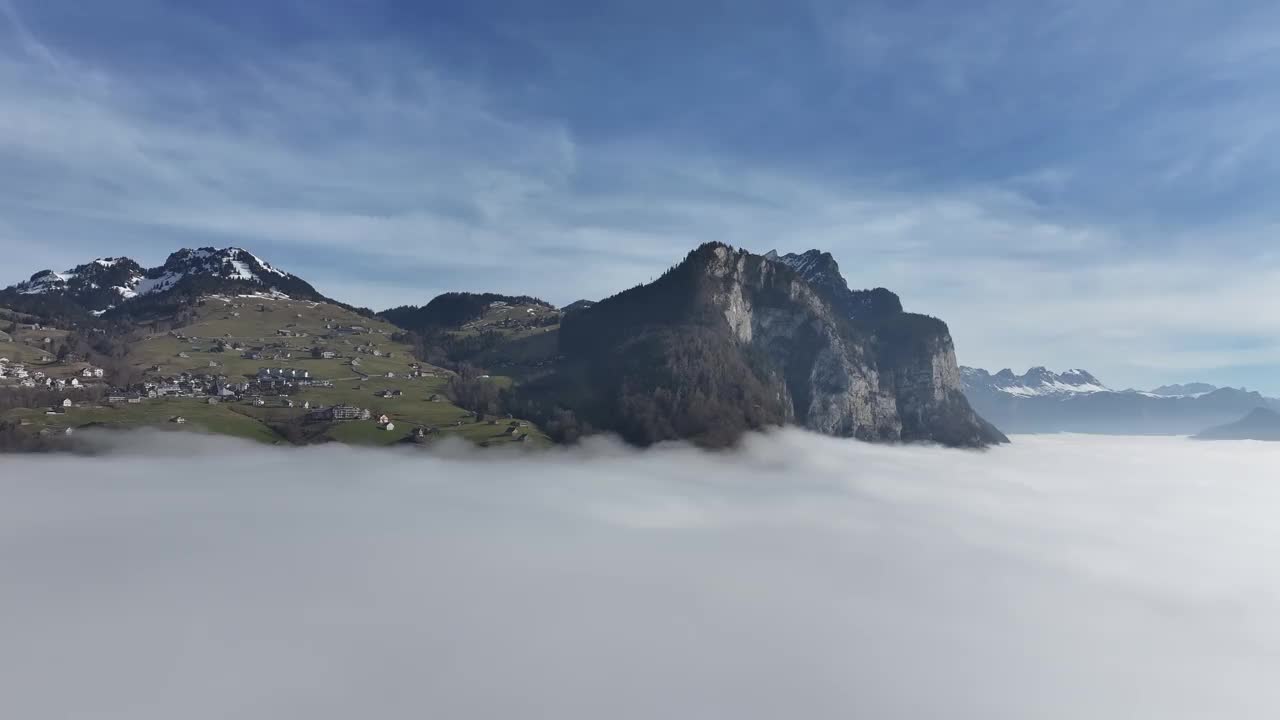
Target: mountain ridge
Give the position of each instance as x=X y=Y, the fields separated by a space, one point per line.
x=106 y=284
x=1259 y=424
x=724 y=342
x=1041 y=400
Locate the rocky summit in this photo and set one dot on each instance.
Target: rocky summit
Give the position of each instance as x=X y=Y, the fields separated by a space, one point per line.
x=729 y=341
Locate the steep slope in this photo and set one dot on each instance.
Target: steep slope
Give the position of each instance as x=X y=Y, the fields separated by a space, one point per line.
x=728 y=341
x=1075 y=401
x=1260 y=424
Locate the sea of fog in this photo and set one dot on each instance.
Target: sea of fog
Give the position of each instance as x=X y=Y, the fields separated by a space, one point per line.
x=800 y=577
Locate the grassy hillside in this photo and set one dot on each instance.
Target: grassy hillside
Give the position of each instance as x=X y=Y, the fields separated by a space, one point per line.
x=256 y=323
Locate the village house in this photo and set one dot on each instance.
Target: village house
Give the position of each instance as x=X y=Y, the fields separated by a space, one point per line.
x=287 y=373
x=66 y=402
x=345 y=412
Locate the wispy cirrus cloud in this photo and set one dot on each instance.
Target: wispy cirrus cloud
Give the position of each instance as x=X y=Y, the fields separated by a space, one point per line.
x=1079 y=184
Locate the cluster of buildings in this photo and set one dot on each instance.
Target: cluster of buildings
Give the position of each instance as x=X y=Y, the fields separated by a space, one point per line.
x=374 y=351
x=269 y=353
x=31 y=378
x=280 y=380
x=183 y=385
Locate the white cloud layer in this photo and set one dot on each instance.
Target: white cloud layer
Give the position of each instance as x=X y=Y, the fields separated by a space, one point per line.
x=806 y=577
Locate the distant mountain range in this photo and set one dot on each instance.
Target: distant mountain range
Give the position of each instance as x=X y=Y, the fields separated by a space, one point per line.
x=110 y=284
x=1041 y=400
x=1259 y=424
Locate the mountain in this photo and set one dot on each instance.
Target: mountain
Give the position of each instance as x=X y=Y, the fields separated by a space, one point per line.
x=577 y=305
x=454 y=309
x=105 y=284
x=94 y=286
x=1187 y=390
x=820 y=270
x=728 y=341
x=1036 y=382
x=1041 y=400
x=1259 y=424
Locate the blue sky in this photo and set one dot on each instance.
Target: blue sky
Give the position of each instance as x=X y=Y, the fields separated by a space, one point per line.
x=1074 y=184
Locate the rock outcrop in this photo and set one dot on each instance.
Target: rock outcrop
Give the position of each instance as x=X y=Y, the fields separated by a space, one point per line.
x=755 y=340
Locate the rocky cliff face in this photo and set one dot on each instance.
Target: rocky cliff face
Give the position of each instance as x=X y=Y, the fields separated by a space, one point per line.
x=836 y=361
x=854 y=364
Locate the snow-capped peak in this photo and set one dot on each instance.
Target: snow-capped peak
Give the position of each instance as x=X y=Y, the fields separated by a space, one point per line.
x=104 y=282
x=1037 y=381
x=230 y=263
